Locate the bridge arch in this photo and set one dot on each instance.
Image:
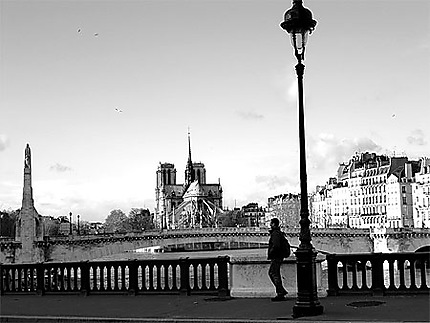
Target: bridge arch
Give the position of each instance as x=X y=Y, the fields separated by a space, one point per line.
x=423 y=249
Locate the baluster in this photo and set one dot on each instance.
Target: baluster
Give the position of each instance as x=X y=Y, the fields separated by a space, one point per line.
x=423 y=274
x=412 y=274
x=123 y=284
x=62 y=277
x=195 y=276
x=364 y=275
x=115 y=271
x=166 y=277
x=354 y=270
x=204 y=276
x=344 y=275
x=174 y=277
x=145 y=277
x=401 y=266
x=94 y=270
x=212 y=275
x=69 y=278
x=392 y=285
x=25 y=279
x=49 y=279
x=26 y=282
x=158 y=271
x=151 y=276
x=109 y=277
x=19 y=283
x=75 y=277
x=102 y=277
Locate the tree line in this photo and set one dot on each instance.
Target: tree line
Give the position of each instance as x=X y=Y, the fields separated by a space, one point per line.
x=137 y=220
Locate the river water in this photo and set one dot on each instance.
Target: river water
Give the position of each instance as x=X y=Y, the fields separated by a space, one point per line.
x=254 y=253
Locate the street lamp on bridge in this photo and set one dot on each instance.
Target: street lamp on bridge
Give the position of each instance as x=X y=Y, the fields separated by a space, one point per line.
x=79 y=231
x=299 y=24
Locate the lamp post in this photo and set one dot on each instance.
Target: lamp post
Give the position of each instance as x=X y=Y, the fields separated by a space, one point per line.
x=299 y=24
x=70 y=222
x=79 y=231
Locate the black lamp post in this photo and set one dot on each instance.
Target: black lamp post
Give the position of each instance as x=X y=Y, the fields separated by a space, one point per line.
x=298 y=23
x=79 y=231
x=70 y=222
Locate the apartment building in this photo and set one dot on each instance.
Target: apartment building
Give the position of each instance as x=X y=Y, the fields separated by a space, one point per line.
x=421 y=195
x=374 y=191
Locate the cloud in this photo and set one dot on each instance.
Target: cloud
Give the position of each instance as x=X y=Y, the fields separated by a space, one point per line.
x=272 y=181
x=326 y=152
x=250 y=115
x=417 y=138
x=4 y=142
x=60 y=168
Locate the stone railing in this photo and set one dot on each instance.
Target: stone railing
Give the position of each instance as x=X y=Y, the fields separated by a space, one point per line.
x=378 y=273
x=244 y=276
x=176 y=276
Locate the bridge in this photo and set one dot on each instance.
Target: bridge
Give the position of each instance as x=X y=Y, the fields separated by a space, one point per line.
x=87 y=247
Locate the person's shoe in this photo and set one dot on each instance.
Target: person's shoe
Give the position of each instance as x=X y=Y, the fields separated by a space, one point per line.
x=278 y=298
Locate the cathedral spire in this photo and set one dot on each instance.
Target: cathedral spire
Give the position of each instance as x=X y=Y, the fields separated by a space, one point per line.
x=189 y=172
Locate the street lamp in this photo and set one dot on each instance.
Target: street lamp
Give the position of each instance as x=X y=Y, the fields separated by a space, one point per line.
x=299 y=24
x=70 y=221
x=79 y=232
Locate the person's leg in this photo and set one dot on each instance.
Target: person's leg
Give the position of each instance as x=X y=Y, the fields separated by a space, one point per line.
x=275 y=277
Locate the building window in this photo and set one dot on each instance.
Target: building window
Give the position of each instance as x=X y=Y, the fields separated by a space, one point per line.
x=404 y=200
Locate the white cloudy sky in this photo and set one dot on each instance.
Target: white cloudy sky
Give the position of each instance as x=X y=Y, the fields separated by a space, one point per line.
x=223 y=68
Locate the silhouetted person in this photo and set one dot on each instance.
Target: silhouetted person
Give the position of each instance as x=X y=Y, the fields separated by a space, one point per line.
x=275 y=255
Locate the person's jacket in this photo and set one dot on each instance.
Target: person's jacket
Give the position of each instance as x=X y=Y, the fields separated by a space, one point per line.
x=275 y=246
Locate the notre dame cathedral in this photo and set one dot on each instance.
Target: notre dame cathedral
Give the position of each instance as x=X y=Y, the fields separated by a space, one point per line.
x=194 y=204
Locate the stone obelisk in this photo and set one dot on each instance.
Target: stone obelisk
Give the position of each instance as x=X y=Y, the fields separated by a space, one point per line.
x=29 y=226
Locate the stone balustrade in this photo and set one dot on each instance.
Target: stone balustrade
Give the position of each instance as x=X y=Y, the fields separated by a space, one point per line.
x=249 y=277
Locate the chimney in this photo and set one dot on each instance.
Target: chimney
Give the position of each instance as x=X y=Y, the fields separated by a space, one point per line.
x=408 y=170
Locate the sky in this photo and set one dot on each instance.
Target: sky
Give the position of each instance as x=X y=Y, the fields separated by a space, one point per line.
x=224 y=70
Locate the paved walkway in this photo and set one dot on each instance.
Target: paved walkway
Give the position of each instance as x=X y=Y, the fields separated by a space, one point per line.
x=175 y=308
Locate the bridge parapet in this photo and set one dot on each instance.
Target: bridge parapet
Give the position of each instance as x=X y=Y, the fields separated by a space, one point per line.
x=329 y=240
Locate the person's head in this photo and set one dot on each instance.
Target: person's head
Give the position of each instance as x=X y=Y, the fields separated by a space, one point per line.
x=274 y=223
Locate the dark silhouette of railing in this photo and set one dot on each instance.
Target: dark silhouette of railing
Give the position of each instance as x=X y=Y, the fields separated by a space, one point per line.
x=177 y=276
x=378 y=273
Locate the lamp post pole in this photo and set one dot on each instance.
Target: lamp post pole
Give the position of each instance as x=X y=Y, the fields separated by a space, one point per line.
x=298 y=23
x=79 y=231
x=70 y=222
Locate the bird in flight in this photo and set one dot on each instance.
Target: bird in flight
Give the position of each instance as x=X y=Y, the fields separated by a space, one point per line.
x=118 y=110
x=96 y=35
x=79 y=30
